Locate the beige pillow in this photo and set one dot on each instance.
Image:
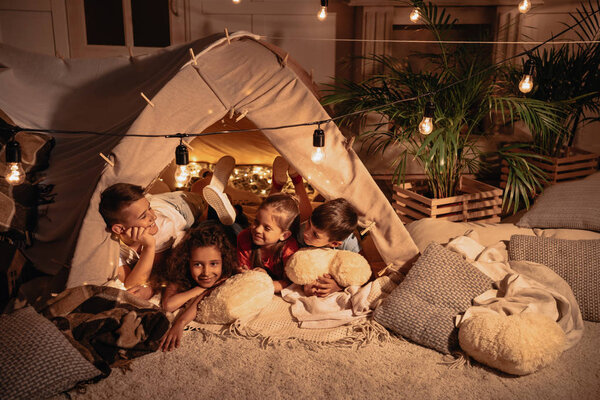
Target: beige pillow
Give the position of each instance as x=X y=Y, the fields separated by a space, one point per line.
x=428 y=230
x=570 y=234
x=576 y=261
x=574 y=205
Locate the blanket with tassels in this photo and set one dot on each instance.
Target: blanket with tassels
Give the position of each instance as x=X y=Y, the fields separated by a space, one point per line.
x=108 y=326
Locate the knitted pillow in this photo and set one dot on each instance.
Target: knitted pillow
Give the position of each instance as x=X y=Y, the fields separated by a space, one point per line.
x=439 y=286
x=36 y=360
x=573 y=205
x=576 y=261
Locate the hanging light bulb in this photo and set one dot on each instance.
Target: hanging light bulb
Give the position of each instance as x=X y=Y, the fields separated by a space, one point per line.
x=322 y=14
x=15 y=174
x=524 y=6
x=526 y=83
x=318 y=154
x=237 y=1
x=182 y=174
x=426 y=125
x=414 y=15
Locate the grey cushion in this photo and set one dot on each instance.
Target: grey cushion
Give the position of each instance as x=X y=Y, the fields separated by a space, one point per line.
x=36 y=359
x=439 y=286
x=574 y=205
x=576 y=261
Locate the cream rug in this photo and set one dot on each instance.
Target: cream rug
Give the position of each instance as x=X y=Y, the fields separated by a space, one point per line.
x=208 y=367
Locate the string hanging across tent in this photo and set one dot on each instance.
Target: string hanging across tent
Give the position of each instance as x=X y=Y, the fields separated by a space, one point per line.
x=17 y=176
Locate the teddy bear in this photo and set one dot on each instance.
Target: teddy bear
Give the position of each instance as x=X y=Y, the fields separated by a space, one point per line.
x=346 y=267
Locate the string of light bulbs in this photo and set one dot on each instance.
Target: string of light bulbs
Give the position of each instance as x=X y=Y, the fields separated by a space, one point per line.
x=15 y=175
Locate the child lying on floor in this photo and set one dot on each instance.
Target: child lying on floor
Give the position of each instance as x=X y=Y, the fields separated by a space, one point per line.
x=202 y=261
x=269 y=242
x=146 y=226
x=329 y=225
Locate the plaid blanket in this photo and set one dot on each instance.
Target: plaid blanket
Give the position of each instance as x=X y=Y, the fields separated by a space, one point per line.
x=107 y=325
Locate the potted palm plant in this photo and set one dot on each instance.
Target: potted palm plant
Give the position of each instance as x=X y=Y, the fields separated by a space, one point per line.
x=570 y=75
x=458 y=91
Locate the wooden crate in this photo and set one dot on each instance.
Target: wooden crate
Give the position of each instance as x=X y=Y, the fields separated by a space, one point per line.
x=576 y=164
x=478 y=201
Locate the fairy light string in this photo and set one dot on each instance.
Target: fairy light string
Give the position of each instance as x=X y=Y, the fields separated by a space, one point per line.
x=16 y=129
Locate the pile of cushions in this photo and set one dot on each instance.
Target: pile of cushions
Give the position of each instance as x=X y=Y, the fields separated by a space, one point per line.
x=439 y=286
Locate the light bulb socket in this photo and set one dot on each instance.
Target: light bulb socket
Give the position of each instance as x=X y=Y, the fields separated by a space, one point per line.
x=319 y=138
x=324 y=3
x=528 y=68
x=13 y=152
x=429 y=110
x=181 y=155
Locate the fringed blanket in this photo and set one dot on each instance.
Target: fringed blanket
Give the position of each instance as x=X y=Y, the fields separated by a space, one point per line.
x=107 y=325
x=276 y=325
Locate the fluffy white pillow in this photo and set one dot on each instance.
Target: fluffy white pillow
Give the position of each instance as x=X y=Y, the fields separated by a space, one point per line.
x=241 y=296
x=518 y=344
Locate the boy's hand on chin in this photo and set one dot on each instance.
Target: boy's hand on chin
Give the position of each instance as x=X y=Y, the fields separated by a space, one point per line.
x=140 y=235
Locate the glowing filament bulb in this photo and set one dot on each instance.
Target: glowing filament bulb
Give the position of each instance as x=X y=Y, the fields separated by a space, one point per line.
x=15 y=175
x=322 y=14
x=237 y=1
x=524 y=6
x=181 y=175
x=526 y=83
x=414 y=15
x=426 y=125
x=318 y=154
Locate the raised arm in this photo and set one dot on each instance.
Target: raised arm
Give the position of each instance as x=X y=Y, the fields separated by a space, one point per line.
x=140 y=274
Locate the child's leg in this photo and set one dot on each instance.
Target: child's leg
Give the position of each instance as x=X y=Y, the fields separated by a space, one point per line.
x=279 y=174
x=214 y=192
x=304 y=203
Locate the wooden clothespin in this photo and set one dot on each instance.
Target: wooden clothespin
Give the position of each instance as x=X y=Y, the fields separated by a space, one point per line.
x=368 y=228
x=231 y=112
x=147 y=99
x=350 y=142
x=193 y=57
x=242 y=115
x=130 y=50
x=284 y=61
x=108 y=160
x=383 y=271
x=227 y=35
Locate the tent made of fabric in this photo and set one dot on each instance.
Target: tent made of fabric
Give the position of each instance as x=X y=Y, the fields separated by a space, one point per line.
x=242 y=74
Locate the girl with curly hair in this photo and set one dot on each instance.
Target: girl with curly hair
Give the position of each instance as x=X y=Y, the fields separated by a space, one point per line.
x=203 y=260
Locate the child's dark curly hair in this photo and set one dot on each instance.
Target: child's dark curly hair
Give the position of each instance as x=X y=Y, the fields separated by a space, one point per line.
x=207 y=233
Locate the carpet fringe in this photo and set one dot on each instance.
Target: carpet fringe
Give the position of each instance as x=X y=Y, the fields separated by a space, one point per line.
x=362 y=333
x=456 y=360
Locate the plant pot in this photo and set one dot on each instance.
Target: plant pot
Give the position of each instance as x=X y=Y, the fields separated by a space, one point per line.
x=478 y=201
x=575 y=164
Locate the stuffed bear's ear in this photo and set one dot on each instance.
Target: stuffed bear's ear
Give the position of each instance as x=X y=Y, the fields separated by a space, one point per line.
x=349 y=268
